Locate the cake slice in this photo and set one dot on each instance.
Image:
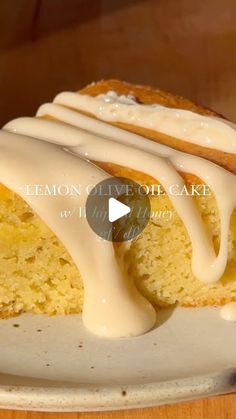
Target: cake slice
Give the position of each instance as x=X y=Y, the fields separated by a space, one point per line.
x=37 y=273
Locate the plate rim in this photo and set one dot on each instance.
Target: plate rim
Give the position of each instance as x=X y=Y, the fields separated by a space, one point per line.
x=89 y=398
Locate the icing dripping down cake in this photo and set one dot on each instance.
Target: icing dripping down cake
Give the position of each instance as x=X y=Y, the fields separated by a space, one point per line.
x=115 y=128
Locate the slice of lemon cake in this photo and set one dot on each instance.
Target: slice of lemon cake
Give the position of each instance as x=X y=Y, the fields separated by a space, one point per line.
x=187 y=252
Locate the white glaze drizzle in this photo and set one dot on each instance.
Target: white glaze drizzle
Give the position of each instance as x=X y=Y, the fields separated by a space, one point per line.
x=206 y=266
x=207 y=131
x=99 y=141
x=112 y=306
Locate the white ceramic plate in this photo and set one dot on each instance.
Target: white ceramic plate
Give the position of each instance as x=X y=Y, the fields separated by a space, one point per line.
x=54 y=364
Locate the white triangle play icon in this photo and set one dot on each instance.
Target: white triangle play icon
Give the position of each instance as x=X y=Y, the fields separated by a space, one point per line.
x=116 y=209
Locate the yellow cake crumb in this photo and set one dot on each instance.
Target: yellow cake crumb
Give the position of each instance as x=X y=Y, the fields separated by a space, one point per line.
x=38 y=275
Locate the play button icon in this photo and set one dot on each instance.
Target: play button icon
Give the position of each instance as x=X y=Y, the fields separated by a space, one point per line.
x=117 y=209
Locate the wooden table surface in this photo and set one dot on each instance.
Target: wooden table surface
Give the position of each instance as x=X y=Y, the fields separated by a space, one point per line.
x=221 y=407
x=186 y=47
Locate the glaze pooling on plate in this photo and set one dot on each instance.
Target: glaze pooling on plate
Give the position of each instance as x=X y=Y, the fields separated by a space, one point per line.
x=228 y=312
x=169 y=364
x=112 y=306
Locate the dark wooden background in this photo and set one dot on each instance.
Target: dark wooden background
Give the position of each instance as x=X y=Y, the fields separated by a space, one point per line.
x=185 y=46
